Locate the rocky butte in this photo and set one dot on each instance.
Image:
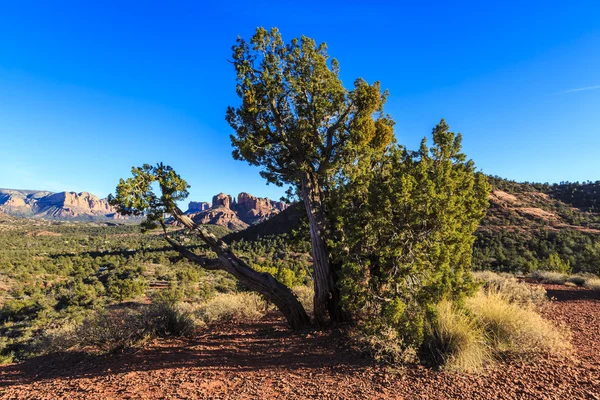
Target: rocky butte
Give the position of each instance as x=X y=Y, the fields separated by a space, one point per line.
x=235 y=214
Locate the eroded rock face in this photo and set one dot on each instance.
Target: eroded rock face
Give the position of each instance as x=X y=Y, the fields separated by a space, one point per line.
x=253 y=209
x=220 y=216
x=221 y=200
x=84 y=202
x=234 y=213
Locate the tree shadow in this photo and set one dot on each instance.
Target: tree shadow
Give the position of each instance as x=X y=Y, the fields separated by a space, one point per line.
x=565 y=293
x=264 y=345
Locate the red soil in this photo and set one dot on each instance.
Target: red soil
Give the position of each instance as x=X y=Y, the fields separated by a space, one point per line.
x=262 y=360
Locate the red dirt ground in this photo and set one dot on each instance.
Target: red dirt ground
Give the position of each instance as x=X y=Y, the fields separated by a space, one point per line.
x=262 y=360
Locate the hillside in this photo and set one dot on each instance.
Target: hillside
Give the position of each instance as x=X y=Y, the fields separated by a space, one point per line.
x=525 y=223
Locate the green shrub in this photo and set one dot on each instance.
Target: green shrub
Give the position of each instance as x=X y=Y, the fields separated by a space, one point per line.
x=408 y=221
x=126 y=282
x=556 y=264
x=20 y=309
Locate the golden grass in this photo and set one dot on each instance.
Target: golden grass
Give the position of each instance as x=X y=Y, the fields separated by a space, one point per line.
x=488 y=328
x=515 y=329
x=458 y=341
x=593 y=284
x=306 y=296
x=511 y=289
x=230 y=306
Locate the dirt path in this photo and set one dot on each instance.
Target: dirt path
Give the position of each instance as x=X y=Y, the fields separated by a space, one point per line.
x=261 y=360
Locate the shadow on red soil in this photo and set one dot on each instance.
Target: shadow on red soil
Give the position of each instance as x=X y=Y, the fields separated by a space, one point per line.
x=566 y=293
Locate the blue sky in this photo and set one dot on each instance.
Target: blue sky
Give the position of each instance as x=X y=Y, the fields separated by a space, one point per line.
x=88 y=90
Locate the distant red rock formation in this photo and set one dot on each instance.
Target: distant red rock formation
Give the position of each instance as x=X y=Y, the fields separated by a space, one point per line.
x=234 y=213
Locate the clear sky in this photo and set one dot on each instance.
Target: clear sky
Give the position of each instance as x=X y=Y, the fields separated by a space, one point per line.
x=88 y=89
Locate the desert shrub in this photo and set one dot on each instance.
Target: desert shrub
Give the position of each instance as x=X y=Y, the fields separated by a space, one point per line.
x=385 y=347
x=593 y=284
x=53 y=340
x=408 y=221
x=489 y=327
x=515 y=329
x=510 y=288
x=168 y=316
x=230 y=306
x=456 y=340
x=112 y=331
x=556 y=278
x=115 y=330
x=306 y=296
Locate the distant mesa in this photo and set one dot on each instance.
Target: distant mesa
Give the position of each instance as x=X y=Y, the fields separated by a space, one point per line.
x=60 y=206
x=232 y=213
x=197 y=206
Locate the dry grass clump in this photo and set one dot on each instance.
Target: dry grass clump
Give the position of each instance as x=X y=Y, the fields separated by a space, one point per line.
x=457 y=341
x=511 y=289
x=515 y=329
x=306 y=296
x=555 y=278
x=230 y=306
x=593 y=284
x=489 y=327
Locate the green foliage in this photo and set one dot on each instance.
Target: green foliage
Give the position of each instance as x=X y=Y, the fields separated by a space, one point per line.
x=555 y=264
x=406 y=225
x=296 y=117
x=135 y=195
x=518 y=251
x=126 y=282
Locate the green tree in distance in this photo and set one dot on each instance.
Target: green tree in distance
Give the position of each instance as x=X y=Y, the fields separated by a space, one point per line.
x=298 y=122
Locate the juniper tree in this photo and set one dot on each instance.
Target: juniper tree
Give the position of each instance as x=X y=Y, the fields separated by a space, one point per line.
x=136 y=196
x=300 y=124
x=408 y=221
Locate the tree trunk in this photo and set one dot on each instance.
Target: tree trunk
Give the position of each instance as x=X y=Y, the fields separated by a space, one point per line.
x=327 y=297
x=261 y=282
